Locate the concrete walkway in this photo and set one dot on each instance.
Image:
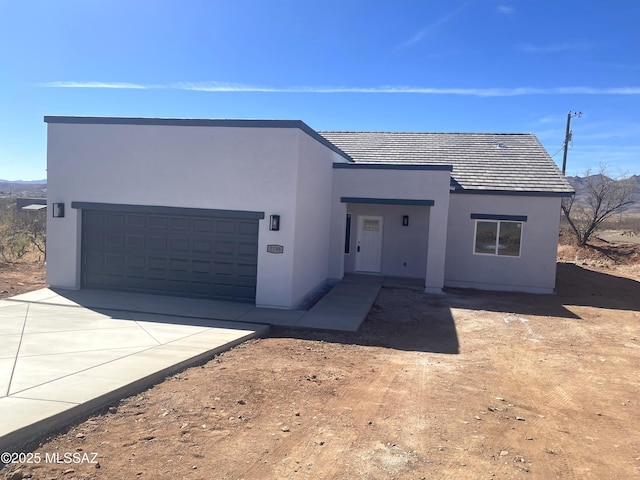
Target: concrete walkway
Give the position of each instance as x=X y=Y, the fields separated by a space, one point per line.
x=65 y=354
x=345 y=306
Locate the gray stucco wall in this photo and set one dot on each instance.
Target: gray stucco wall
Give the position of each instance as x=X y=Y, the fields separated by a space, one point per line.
x=534 y=271
x=399 y=183
x=404 y=252
x=226 y=168
x=314 y=177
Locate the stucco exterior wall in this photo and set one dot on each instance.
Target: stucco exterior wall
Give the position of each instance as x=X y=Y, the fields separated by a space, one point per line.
x=404 y=252
x=291 y=172
x=398 y=183
x=228 y=168
x=314 y=177
x=534 y=271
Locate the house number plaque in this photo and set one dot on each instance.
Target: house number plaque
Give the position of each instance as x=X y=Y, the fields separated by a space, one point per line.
x=275 y=248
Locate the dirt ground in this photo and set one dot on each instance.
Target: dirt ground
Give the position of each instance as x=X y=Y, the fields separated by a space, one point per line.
x=17 y=278
x=470 y=385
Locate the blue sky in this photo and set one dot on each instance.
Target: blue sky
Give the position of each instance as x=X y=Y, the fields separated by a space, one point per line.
x=426 y=65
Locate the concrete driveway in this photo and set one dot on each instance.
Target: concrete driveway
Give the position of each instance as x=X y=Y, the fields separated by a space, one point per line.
x=63 y=356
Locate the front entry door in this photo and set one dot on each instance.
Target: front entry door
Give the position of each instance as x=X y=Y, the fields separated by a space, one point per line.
x=369 y=244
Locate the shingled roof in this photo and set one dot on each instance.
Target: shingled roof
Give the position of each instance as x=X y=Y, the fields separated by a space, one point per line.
x=501 y=162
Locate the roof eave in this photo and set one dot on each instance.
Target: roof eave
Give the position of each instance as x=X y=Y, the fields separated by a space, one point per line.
x=522 y=193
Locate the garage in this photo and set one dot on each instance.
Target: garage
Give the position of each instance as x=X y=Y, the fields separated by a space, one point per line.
x=185 y=252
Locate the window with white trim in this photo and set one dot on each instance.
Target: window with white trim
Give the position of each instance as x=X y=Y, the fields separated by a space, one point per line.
x=498 y=237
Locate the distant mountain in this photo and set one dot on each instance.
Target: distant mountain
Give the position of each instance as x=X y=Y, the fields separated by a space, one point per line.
x=579 y=183
x=38 y=182
x=20 y=188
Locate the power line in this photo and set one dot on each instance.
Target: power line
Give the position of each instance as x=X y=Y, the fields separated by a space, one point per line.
x=561 y=148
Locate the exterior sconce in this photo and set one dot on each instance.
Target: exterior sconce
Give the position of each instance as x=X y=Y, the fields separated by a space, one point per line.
x=58 y=210
x=405 y=220
x=274 y=223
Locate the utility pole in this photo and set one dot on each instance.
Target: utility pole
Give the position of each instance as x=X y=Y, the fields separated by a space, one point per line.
x=567 y=138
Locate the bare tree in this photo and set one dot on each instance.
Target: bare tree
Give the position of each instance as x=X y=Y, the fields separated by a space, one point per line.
x=600 y=198
x=33 y=225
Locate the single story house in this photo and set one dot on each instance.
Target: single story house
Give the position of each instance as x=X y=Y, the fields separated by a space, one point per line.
x=269 y=211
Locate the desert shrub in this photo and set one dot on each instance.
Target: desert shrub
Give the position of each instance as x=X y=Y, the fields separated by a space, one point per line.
x=19 y=245
x=20 y=232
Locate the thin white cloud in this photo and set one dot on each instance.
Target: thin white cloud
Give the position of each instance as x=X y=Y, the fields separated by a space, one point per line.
x=552 y=119
x=586 y=134
x=73 y=84
x=591 y=130
x=596 y=91
x=478 y=92
x=608 y=135
x=417 y=37
x=225 y=87
x=555 y=47
x=621 y=159
x=507 y=10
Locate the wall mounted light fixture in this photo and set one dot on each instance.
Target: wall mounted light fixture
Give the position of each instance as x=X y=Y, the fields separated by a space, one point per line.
x=58 y=210
x=405 y=220
x=274 y=222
